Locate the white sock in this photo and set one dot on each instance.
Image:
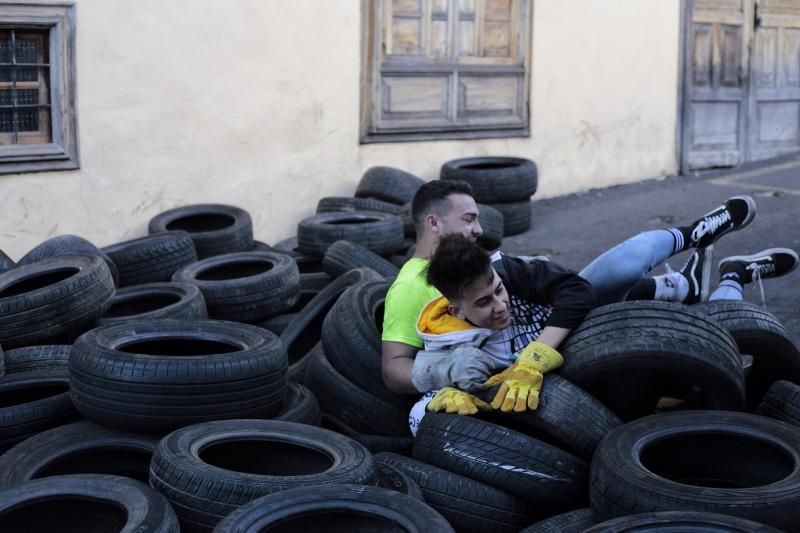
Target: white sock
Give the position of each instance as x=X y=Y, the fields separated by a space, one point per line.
x=672 y=287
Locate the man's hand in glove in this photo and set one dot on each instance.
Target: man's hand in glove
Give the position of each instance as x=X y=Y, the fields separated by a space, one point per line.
x=521 y=382
x=456 y=401
x=465 y=367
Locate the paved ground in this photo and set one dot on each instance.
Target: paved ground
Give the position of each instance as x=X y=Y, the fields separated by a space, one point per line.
x=574 y=229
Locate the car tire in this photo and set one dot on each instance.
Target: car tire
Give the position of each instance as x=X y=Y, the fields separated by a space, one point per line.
x=708 y=461
x=517 y=216
x=567 y=416
x=343 y=256
x=782 y=402
x=208 y=470
x=336 y=508
x=340 y=204
x=469 y=505
x=493 y=224
x=152 y=258
x=52 y=299
x=300 y=406
x=33 y=358
x=85 y=502
x=576 y=521
x=758 y=333
x=532 y=469
x=33 y=402
x=155 y=300
x=381 y=233
x=78 y=448
x=216 y=229
x=629 y=354
x=495 y=179
x=351 y=335
x=68 y=245
x=680 y=521
x=245 y=286
x=364 y=412
x=388 y=184
x=157 y=375
x=305 y=330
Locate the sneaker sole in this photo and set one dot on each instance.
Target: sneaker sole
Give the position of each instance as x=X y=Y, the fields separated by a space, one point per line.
x=751 y=211
x=761 y=254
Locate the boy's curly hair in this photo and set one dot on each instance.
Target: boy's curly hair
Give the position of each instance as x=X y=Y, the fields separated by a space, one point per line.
x=457 y=263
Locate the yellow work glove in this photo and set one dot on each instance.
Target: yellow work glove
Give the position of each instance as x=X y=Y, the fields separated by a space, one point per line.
x=453 y=400
x=521 y=382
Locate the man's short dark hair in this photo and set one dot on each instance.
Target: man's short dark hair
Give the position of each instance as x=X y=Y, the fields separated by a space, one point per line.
x=457 y=263
x=432 y=196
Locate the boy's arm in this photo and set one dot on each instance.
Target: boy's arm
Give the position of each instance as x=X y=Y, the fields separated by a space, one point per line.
x=465 y=366
x=397 y=362
x=547 y=283
x=553 y=336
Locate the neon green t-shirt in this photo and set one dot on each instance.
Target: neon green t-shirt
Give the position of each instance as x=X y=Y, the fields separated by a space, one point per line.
x=405 y=299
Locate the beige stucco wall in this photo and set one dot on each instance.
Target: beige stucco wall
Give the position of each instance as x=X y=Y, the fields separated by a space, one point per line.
x=255 y=103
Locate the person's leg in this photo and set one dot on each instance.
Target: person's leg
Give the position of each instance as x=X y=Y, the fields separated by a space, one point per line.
x=738 y=270
x=616 y=272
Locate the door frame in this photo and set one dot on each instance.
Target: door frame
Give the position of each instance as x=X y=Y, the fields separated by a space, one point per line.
x=683 y=111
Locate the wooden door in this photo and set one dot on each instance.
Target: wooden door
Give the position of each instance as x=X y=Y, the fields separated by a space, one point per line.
x=715 y=86
x=775 y=80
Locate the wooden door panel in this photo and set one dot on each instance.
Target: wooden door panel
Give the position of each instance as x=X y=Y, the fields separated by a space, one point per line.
x=775 y=93
x=778 y=123
x=701 y=56
x=765 y=71
x=791 y=51
x=714 y=125
x=731 y=56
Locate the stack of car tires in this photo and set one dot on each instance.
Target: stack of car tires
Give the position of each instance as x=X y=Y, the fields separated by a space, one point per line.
x=604 y=451
x=505 y=184
x=371 y=229
x=201 y=379
x=105 y=377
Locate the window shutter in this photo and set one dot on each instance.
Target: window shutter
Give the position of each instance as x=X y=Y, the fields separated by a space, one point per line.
x=448 y=66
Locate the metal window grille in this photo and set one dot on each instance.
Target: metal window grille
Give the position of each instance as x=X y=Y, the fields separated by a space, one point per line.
x=24 y=79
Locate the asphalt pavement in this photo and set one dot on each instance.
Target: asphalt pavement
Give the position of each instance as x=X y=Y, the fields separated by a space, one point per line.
x=572 y=230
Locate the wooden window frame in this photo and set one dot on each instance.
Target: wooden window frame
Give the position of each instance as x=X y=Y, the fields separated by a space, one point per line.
x=372 y=70
x=61 y=153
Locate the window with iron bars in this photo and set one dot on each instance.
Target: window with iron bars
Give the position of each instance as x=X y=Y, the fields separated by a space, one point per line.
x=38 y=122
x=24 y=81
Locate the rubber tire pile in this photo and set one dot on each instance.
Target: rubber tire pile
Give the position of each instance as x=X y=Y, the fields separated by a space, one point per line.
x=201 y=380
x=505 y=184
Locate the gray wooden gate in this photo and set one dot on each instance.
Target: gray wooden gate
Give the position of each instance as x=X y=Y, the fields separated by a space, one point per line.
x=741 y=81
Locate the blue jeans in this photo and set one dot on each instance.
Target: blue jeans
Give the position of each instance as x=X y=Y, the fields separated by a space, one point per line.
x=614 y=273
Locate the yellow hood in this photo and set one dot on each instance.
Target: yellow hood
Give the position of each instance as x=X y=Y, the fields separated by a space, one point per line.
x=435 y=320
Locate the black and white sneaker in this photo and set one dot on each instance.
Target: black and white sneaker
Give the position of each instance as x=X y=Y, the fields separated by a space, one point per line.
x=693 y=272
x=770 y=263
x=734 y=214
